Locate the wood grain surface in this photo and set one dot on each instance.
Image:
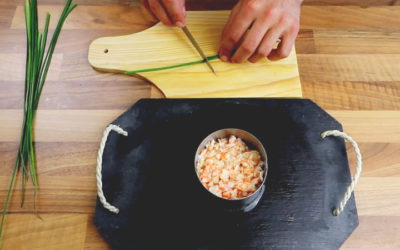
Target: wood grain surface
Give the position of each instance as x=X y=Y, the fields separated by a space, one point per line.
x=348 y=57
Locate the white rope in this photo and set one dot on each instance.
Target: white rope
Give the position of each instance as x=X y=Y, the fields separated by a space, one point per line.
x=356 y=176
x=100 y=193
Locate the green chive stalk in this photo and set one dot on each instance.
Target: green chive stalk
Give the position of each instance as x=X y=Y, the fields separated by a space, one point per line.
x=37 y=66
x=210 y=58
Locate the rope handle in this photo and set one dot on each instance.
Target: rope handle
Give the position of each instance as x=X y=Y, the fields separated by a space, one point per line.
x=120 y=131
x=354 y=179
x=100 y=193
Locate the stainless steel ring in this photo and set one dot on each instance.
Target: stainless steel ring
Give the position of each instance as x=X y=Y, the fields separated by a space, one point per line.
x=247 y=203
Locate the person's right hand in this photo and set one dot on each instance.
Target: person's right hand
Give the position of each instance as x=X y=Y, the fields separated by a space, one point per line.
x=169 y=12
x=254 y=26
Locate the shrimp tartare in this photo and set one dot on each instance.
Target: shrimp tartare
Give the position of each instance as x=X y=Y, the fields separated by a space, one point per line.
x=229 y=169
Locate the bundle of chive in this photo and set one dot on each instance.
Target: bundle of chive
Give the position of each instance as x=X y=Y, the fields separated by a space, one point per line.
x=37 y=66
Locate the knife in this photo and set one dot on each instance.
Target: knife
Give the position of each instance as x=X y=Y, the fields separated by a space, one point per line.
x=197 y=46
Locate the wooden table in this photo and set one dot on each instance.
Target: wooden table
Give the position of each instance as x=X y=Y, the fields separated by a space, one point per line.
x=349 y=62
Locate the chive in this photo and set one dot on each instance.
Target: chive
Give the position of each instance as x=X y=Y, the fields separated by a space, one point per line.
x=210 y=58
x=37 y=67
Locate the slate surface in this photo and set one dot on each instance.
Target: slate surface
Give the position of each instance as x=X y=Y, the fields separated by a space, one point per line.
x=150 y=177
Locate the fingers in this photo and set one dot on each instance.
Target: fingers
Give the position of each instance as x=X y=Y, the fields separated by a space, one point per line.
x=176 y=11
x=232 y=16
x=146 y=5
x=251 y=42
x=270 y=20
x=158 y=10
x=286 y=45
x=233 y=32
x=283 y=50
x=266 y=45
x=169 y=12
x=285 y=30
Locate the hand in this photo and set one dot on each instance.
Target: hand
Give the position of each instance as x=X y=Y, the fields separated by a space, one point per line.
x=254 y=26
x=170 y=12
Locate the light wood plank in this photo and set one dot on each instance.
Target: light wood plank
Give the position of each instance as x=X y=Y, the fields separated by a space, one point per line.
x=64 y=67
x=350 y=17
x=379 y=159
x=12 y=66
x=362 y=3
x=356 y=68
x=77 y=94
x=370 y=126
x=63 y=125
x=378 y=196
x=374 y=195
x=343 y=95
x=305 y=42
x=156 y=92
x=87 y=125
x=57 y=194
x=375 y=232
x=357 y=41
x=91 y=17
x=94 y=240
x=71 y=42
x=55 y=158
x=228 y=4
x=79 y=2
x=313 y=17
x=78 y=159
x=382 y=232
x=6 y=13
x=77 y=69
x=69 y=62
x=54 y=231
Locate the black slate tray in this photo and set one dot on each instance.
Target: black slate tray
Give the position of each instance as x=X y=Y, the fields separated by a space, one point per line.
x=150 y=177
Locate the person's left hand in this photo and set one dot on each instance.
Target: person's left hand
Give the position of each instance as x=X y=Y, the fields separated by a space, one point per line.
x=169 y=12
x=254 y=26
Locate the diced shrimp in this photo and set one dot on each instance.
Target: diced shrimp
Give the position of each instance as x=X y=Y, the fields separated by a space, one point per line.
x=225 y=175
x=228 y=169
x=223 y=156
x=226 y=195
x=205 y=180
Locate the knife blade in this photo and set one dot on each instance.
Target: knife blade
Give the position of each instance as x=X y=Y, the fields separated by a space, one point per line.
x=197 y=47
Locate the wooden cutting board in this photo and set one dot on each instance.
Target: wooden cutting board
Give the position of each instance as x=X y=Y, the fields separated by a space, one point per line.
x=161 y=46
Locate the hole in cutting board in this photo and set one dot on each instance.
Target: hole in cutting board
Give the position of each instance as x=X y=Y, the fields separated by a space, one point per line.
x=106 y=51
